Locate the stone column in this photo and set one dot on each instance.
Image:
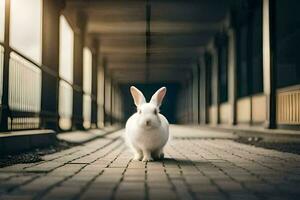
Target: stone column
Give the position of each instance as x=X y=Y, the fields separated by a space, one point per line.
x=203 y=90
x=269 y=68
x=101 y=93
x=232 y=70
x=50 y=61
x=107 y=97
x=195 y=94
x=215 y=82
x=79 y=38
x=94 y=83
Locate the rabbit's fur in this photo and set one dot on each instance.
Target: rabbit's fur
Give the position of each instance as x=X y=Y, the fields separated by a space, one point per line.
x=147 y=131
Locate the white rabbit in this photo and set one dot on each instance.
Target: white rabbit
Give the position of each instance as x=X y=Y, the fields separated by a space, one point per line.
x=147 y=131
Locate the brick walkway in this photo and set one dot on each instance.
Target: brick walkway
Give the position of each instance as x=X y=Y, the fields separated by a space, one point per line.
x=195 y=168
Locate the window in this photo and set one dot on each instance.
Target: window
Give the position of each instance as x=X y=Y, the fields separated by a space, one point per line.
x=107 y=99
x=287 y=42
x=249 y=51
x=208 y=63
x=25 y=75
x=223 y=62
x=66 y=48
x=87 y=87
x=26 y=28
x=242 y=68
x=256 y=60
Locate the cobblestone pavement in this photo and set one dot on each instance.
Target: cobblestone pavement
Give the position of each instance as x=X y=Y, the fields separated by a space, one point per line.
x=194 y=168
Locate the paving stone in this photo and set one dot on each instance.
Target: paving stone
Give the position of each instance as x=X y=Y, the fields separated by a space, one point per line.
x=136 y=165
x=159 y=185
x=104 y=185
x=7 y=175
x=162 y=193
x=260 y=187
x=181 y=189
x=216 y=196
x=62 y=193
x=134 y=178
x=96 y=194
x=40 y=184
x=16 y=168
x=14 y=182
x=197 y=179
x=193 y=169
x=108 y=178
x=131 y=186
x=157 y=179
x=16 y=197
x=229 y=186
x=135 y=172
x=204 y=189
x=244 y=196
x=126 y=195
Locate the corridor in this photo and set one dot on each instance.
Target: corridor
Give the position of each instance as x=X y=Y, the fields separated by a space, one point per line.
x=68 y=64
x=206 y=165
x=231 y=74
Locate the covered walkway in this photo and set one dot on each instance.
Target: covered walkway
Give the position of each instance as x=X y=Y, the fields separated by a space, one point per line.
x=211 y=167
x=67 y=65
x=232 y=73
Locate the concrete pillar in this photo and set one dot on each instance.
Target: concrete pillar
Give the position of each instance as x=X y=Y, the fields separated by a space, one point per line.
x=50 y=60
x=95 y=64
x=111 y=101
x=269 y=68
x=232 y=71
x=100 y=93
x=119 y=106
x=79 y=37
x=190 y=99
x=115 y=103
x=107 y=97
x=113 y=90
x=185 y=106
x=215 y=83
x=195 y=94
x=203 y=90
x=4 y=107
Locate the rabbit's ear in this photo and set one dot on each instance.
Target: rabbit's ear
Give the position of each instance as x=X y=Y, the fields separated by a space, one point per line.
x=158 y=96
x=137 y=95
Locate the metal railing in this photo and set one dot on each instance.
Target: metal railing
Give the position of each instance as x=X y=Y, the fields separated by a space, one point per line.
x=24 y=93
x=288 y=105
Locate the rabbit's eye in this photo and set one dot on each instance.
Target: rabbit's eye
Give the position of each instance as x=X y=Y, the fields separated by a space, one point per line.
x=155 y=112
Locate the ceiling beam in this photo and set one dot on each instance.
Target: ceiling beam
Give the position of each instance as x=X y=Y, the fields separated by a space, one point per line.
x=148 y=37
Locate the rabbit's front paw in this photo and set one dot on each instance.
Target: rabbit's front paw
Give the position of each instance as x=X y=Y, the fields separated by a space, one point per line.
x=161 y=156
x=137 y=156
x=147 y=159
x=158 y=155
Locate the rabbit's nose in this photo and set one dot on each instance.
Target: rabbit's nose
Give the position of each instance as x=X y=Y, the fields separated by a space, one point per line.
x=148 y=123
